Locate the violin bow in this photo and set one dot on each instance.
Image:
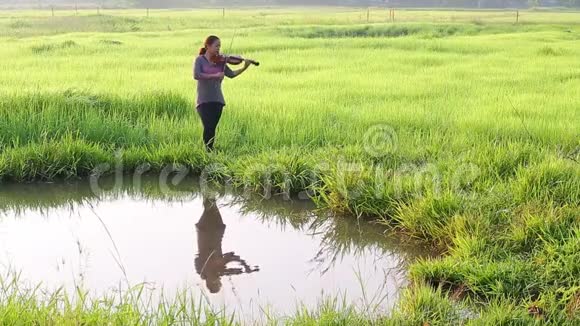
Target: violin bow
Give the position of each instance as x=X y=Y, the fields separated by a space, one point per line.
x=232 y=40
x=231 y=44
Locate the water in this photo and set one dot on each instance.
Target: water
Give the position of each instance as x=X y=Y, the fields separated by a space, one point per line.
x=233 y=252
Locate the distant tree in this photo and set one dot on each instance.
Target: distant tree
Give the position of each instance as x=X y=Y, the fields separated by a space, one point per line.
x=166 y=3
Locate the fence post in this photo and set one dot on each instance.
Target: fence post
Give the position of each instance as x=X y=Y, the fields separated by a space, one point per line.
x=76 y=9
x=98 y=10
x=517 y=16
x=52 y=10
x=368 y=14
x=147 y=12
x=223 y=12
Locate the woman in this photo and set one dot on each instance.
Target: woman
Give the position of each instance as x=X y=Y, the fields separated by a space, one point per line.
x=209 y=76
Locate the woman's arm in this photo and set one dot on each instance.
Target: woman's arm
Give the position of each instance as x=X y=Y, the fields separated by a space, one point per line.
x=234 y=73
x=204 y=76
x=198 y=73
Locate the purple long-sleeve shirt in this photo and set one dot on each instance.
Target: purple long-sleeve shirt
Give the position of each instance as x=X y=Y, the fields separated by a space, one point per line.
x=210 y=90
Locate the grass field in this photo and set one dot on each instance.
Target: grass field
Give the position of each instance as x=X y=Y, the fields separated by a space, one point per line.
x=458 y=128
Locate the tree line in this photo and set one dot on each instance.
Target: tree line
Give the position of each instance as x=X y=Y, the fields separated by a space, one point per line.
x=366 y=3
x=241 y=3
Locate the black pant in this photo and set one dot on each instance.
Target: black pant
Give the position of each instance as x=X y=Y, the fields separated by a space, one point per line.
x=210 y=114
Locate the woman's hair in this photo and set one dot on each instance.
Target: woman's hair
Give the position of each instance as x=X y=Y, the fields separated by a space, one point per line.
x=208 y=41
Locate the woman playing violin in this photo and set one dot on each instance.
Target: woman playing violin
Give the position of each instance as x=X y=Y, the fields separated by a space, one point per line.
x=209 y=70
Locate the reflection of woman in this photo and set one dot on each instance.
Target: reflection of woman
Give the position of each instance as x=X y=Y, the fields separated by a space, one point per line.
x=210 y=262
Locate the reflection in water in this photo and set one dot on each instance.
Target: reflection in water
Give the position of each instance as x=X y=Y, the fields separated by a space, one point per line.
x=210 y=262
x=302 y=254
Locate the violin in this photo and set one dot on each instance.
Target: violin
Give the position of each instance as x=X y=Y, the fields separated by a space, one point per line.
x=232 y=59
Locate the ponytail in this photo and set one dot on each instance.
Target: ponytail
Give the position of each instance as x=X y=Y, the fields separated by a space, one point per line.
x=202 y=51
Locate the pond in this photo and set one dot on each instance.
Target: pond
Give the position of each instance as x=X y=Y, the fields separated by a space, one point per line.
x=236 y=252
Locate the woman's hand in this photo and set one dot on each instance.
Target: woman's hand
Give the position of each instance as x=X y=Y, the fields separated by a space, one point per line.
x=219 y=75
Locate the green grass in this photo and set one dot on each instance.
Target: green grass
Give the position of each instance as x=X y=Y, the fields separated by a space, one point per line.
x=482 y=159
x=140 y=306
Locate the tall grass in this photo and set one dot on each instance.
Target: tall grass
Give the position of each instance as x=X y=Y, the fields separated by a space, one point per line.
x=20 y=305
x=483 y=156
x=140 y=306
